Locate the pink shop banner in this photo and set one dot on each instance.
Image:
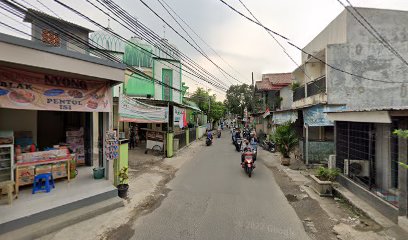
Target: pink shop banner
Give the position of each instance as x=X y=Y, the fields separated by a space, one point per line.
x=20 y=89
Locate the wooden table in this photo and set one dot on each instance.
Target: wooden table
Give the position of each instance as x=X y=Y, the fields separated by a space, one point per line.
x=43 y=162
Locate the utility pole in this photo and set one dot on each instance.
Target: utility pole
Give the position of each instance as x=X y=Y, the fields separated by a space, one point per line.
x=253 y=79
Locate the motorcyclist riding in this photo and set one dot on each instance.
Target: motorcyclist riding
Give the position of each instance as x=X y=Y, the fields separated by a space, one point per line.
x=245 y=146
x=209 y=134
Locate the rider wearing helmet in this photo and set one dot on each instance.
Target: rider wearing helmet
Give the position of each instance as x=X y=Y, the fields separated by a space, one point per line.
x=245 y=146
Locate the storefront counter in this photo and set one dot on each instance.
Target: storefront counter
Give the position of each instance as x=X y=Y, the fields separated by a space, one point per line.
x=26 y=170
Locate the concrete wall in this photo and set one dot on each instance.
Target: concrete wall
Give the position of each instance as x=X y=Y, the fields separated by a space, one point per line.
x=389 y=23
x=66 y=41
x=335 y=32
x=363 y=55
x=12 y=53
x=287 y=98
x=19 y=120
x=371 y=61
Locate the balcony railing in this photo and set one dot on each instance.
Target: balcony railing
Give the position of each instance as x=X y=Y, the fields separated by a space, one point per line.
x=316 y=87
x=299 y=93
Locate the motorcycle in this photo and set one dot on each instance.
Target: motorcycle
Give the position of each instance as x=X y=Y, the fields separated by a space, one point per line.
x=269 y=146
x=248 y=165
x=208 y=141
x=238 y=143
x=255 y=150
x=219 y=134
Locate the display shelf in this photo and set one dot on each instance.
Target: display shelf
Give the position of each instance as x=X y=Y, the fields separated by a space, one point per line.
x=6 y=160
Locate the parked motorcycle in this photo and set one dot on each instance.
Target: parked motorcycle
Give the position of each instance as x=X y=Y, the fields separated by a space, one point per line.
x=248 y=165
x=269 y=146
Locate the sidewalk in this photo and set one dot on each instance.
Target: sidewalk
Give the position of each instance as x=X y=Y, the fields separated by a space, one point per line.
x=329 y=218
x=147 y=188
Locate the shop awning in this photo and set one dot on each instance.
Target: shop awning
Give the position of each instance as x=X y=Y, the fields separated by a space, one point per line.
x=370 y=117
x=316 y=116
x=283 y=117
x=132 y=110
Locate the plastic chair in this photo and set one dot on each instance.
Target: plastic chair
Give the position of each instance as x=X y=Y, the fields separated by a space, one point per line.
x=43 y=182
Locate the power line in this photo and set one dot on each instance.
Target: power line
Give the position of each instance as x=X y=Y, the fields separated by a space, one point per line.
x=74 y=37
x=208 y=45
x=123 y=39
x=282 y=47
x=42 y=4
x=131 y=21
x=157 y=15
x=373 y=31
x=311 y=55
x=198 y=46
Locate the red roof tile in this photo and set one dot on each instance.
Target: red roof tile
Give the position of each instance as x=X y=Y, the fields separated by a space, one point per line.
x=274 y=81
x=278 y=78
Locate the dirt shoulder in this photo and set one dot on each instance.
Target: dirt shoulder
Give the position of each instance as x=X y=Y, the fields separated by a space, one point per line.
x=324 y=217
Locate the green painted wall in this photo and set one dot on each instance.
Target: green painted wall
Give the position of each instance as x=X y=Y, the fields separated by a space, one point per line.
x=139 y=86
x=170 y=137
x=123 y=161
x=188 y=136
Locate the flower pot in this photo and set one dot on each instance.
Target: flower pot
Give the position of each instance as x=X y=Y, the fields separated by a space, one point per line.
x=285 y=161
x=323 y=188
x=99 y=173
x=122 y=190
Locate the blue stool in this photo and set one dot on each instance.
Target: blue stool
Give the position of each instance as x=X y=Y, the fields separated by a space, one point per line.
x=43 y=182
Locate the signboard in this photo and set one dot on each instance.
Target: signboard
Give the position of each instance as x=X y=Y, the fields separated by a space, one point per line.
x=180 y=117
x=131 y=110
x=316 y=116
x=20 y=89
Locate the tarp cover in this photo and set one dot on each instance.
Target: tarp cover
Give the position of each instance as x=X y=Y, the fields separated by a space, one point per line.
x=316 y=116
x=131 y=110
x=283 y=117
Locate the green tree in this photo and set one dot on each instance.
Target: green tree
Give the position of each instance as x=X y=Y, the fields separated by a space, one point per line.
x=403 y=134
x=214 y=109
x=239 y=97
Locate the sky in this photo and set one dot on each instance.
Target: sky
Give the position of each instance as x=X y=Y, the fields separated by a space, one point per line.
x=243 y=46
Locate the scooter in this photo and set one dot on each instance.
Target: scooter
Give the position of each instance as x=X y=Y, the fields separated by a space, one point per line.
x=248 y=165
x=208 y=141
x=238 y=143
x=269 y=146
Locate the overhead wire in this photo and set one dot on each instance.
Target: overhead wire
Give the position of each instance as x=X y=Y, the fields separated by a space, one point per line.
x=132 y=22
x=184 y=38
x=283 y=49
x=305 y=52
x=195 y=43
x=372 y=30
x=73 y=37
x=110 y=57
x=207 y=44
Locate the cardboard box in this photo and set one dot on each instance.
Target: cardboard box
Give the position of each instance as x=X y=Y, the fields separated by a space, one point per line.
x=59 y=170
x=26 y=175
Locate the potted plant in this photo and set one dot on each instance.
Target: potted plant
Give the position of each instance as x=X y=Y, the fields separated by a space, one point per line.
x=123 y=186
x=285 y=140
x=322 y=181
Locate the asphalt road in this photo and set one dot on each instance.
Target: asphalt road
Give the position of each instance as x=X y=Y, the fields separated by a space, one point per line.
x=212 y=198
